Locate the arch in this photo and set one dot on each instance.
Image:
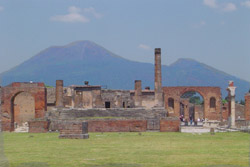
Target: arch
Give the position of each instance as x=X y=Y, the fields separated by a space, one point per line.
x=22 y=109
x=205 y=92
x=192 y=90
x=212 y=102
x=36 y=91
x=171 y=102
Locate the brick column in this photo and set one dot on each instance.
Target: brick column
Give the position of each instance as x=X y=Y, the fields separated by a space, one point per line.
x=158 y=80
x=59 y=93
x=247 y=106
x=138 y=93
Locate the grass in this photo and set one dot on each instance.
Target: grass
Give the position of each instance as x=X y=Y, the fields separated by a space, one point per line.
x=149 y=149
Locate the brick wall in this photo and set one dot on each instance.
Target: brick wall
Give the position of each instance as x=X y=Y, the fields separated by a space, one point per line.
x=247 y=107
x=74 y=130
x=117 y=126
x=38 y=126
x=170 y=125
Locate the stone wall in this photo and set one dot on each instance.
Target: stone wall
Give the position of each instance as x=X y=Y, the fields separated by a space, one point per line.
x=117 y=98
x=117 y=113
x=152 y=116
x=51 y=97
x=38 y=126
x=170 y=125
x=24 y=107
x=239 y=112
x=147 y=98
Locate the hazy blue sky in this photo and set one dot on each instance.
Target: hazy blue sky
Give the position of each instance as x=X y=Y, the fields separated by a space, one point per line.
x=215 y=32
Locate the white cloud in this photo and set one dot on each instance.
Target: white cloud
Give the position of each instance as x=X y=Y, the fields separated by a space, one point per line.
x=76 y=15
x=246 y=4
x=1 y=8
x=73 y=9
x=229 y=7
x=211 y=3
x=92 y=11
x=145 y=47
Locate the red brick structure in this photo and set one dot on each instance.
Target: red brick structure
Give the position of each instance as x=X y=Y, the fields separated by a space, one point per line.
x=38 y=126
x=211 y=96
x=73 y=130
x=170 y=125
x=36 y=90
x=117 y=126
x=247 y=106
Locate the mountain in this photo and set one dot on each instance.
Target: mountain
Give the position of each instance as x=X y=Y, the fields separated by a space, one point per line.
x=86 y=61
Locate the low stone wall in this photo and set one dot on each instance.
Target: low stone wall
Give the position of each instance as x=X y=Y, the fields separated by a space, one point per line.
x=38 y=126
x=117 y=126
x=170 y=125
x=74 y=130
x=130 y=113
x=241 y=123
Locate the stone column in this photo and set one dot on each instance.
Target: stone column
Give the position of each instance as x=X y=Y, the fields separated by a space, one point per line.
x=138 y=93
x=247 y=106
x=231 y=95
x=158 y=80
x=59 y=93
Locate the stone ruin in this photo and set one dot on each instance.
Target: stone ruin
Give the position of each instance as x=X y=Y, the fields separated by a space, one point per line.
x=51 y=109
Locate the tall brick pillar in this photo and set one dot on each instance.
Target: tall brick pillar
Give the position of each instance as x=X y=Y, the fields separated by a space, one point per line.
x=158 y=85
x=231 y=94
x=59 y=93
x=247 y=106
x=138 y=93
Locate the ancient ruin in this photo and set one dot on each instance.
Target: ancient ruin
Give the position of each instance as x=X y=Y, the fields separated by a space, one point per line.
x=65 y=108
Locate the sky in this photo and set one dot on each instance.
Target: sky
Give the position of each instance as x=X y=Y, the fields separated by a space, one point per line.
x=214 y=32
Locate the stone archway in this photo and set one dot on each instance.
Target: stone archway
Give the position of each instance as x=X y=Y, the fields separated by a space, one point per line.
x=206 y=92
x=22 y=109
x=11 y=92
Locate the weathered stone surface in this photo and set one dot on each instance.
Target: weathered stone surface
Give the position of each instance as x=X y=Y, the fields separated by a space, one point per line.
x=158 y=79
x=113 y=113
x=138 y=93
x=59 y=93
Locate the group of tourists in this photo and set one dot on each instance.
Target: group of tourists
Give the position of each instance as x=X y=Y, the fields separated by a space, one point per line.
x=182 y=119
